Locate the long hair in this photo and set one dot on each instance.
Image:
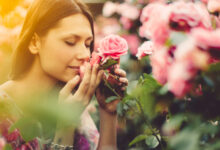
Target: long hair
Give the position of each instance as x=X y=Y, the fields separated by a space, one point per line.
x=41 y=16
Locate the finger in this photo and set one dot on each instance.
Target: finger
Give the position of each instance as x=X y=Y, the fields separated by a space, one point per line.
x=70 y=85
x=120 y=72
x=92 y=85
x=86 y=81
x=124 y=81
x=100 y=76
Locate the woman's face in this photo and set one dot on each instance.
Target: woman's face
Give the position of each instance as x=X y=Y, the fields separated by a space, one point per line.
x=66 y=47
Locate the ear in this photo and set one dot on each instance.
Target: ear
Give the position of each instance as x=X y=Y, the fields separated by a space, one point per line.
x=35 y=44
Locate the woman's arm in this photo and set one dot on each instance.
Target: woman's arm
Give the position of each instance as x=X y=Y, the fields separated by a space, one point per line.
x=108 y=131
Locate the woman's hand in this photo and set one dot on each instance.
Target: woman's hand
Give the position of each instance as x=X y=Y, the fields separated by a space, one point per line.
x=103 y=92
x=84 y=93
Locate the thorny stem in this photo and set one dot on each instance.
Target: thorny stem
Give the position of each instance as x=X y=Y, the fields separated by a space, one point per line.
x=148 y=124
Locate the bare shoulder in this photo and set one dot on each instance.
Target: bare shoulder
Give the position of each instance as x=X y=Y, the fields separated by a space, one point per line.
x=4 y=88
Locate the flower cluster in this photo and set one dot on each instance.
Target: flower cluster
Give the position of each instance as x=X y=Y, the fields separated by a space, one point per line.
x=183 y=41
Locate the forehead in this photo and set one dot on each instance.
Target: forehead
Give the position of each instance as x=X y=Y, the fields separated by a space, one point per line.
x=75 y=24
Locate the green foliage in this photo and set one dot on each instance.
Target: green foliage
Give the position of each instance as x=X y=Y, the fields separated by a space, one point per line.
x=138 y=139
x=110 y=99
x=28 y=128
x=151 y=141
x=110 y=62
x=144 y=93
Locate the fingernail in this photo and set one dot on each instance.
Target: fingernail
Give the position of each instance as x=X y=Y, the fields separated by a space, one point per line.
x=77 y=77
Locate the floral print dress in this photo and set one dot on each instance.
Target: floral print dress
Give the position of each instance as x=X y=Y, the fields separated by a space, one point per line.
x=85 y=138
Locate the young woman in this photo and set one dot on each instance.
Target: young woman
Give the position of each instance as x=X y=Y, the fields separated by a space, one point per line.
x=56 y=39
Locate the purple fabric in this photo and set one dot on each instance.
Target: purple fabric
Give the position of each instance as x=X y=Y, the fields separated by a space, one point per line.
x=80 y=142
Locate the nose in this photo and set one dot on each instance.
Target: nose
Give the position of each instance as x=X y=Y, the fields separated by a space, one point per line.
x=84 y=54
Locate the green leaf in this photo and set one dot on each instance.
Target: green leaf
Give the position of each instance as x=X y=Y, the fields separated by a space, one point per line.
x=110 y=62
x=151 y=141
x=187 y=139
x=138 y=139
x=144 y=93
x=8 y=147
x=111 y=98
x=28 y=128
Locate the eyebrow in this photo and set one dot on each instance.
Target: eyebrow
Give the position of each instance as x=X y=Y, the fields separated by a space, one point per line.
x=78 y=36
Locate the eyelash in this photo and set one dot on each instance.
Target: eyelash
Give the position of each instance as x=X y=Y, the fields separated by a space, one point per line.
x=72 y=44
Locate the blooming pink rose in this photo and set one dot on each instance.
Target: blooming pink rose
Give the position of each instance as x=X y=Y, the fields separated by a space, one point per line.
x=184 y=16
x=128 y=11
x=112 y=46
x=145 y=49
x=133 y=42
x=109 y=8
x=214 y=5
x=126 y=22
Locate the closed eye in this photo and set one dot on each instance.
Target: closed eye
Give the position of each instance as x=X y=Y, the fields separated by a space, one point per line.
x=69 y=43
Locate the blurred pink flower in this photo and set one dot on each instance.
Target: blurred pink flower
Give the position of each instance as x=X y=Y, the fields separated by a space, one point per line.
x=112 y=46
x=109 y=8
x=129 y=11
x=214 y=6
x=208 y=40
x=2 y=143
x=126 y=22
x=188 y=61
x=184 y=16
x=178 y=79
x=160 y=62
x=133 y=42
x=145 y=49
x=154 y=20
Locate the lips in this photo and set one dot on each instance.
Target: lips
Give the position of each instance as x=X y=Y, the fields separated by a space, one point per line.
x=74 y=68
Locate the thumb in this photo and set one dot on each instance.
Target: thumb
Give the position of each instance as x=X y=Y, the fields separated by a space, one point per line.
x=67 y=89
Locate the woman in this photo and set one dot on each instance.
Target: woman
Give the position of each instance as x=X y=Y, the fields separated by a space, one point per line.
x=56 y=39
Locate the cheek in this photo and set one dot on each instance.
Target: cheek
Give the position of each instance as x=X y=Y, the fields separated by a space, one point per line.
x=54 y=58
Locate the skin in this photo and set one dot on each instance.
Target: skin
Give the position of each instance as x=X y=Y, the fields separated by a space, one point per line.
x=58 y=55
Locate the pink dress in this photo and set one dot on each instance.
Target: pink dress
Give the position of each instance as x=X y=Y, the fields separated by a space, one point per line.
x=86 y=137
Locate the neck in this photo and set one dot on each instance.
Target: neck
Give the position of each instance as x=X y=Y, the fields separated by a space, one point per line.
x=34 y=82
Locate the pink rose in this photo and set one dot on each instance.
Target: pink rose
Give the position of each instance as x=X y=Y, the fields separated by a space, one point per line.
x=126 y=22
x=133 y=42
x=214 y=6
x=112 y=46
x=109 y=8
x=185 y=16
x=128 y=11
x=145 y=49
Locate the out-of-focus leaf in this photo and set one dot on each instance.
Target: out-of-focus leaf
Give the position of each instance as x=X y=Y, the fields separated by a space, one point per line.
x=29 y=128
x=8 y=147
x=111 y=98
x=138 y=139
x=177 y=37
x=186 y=140
x=151 y=141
